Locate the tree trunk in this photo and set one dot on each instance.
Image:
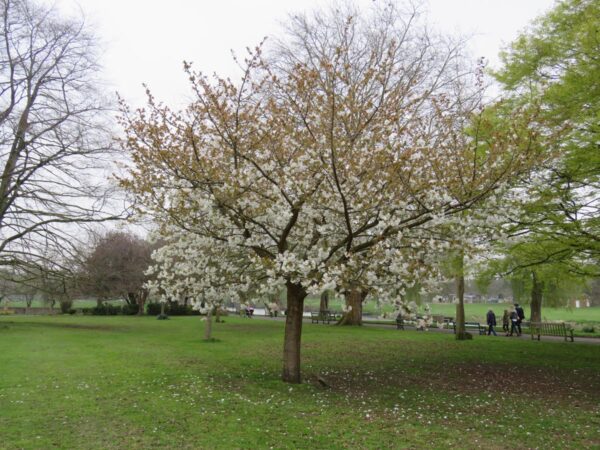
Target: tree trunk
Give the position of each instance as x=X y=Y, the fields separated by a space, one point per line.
x=461 y=333
x=595 y=293
x=536 y=298
x=208 y=325
x=162 y=308
x=324 y=305
x=354 y=299
x=142 y=297
x=218 y=315
x=293 y=333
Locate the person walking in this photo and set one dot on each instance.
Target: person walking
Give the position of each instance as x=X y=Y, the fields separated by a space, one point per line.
x=520 y=315
x=491 y=321
x=505 y=322
x=514 y=318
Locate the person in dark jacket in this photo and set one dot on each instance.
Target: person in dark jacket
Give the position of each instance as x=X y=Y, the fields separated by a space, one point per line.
x=514 y=318
x=506 y=322
x=520 y=315
x=491 y=321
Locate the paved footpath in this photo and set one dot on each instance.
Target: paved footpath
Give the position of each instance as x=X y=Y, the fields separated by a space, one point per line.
x=501 y=335
x=578 y=340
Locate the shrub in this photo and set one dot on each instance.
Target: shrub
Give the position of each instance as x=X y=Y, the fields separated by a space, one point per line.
x=588 y=329
x=66 y=306
x=72 y=311
x=106 y=310
x=129 y=310
x=153 y=309
x=175 y=309
x=172 y=309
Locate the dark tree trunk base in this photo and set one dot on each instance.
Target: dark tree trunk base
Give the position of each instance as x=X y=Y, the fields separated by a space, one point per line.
x=463 y=336
x=354 y=299
x=293 y=333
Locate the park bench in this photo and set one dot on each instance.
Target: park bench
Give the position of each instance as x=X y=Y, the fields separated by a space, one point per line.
x=474 y=326
x=323 y=316
x=550 y=329
x=400 y=322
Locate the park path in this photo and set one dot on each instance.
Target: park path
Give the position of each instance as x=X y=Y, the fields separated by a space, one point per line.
x=583 y=340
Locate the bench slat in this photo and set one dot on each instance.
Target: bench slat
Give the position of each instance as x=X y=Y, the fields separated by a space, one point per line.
x=538 y=329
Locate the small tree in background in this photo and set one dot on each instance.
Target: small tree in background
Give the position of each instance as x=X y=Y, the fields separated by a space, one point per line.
x=116 y=268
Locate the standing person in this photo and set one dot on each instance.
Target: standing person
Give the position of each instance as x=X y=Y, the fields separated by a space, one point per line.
x=505 y=321
x=520 y=315
x=491 y=321
x=514 y=318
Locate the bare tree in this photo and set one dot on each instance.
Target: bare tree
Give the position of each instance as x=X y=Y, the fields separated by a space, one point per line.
x=54 y=135
x=116 y=267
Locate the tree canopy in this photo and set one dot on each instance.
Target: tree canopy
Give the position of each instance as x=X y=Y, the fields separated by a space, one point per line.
x=333 y=157
x=556 y=65
x=555 y=228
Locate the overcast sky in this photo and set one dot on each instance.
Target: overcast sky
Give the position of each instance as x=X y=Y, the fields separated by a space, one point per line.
x=145 y=41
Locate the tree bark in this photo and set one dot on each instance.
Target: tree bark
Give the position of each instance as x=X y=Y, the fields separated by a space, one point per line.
x=131 y=298
x=208 y=325
x=536 y=298
x=461 y=333
x=293 y=333
x=354 y=299
x=324 y=305
x=142 y=297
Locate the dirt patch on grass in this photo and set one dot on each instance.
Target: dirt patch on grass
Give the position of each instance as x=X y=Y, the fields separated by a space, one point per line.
x=520 y=380
x=579 y=387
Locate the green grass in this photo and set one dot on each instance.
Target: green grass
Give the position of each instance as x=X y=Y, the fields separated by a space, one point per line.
x=129 y=382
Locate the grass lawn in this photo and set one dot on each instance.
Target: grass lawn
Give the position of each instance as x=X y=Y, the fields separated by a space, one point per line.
x=128 y=382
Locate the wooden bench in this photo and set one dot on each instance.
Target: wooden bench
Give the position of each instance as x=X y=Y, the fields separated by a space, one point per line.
x=323 y=316
x=475 y=326
x=400 y=323
x=550 y=329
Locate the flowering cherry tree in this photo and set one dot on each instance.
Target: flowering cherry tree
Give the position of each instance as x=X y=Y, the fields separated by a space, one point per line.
x=325 y=167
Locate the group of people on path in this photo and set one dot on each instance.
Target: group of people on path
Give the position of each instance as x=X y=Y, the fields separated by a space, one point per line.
x=514 y=318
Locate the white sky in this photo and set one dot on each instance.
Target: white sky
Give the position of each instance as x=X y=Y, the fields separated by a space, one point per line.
x=145 y=41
